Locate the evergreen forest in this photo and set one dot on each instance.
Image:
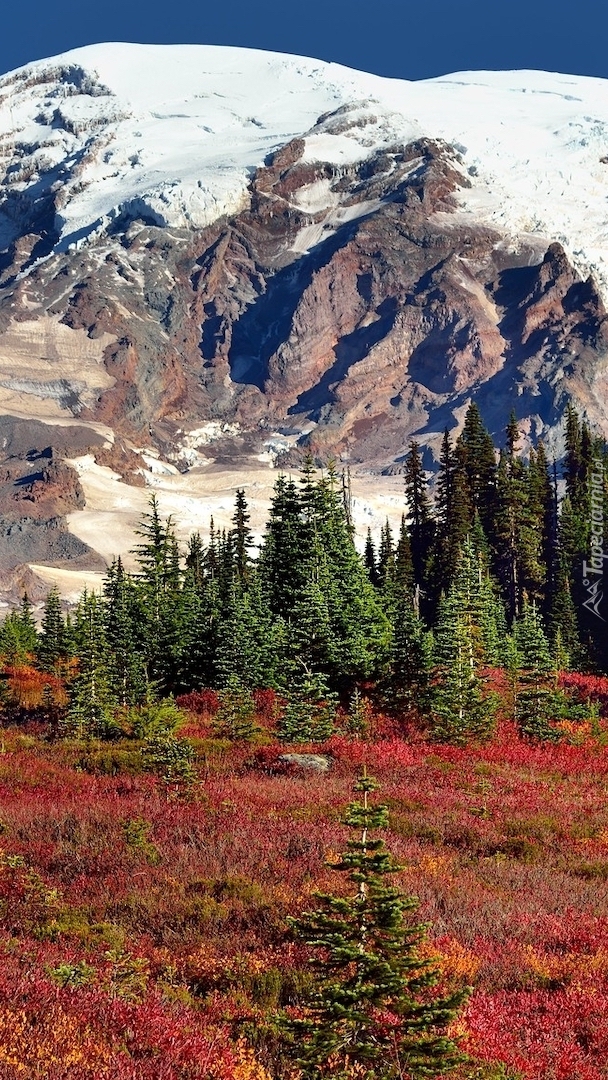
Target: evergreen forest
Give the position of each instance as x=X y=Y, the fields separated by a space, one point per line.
x=488 y=574
x=198 y=878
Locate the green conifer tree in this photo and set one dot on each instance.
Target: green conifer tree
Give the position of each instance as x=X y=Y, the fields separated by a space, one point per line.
x=386 y=556
x=410 y=671
x=92 y=702
x=519 y=525
x=310 y=711
x=211 y=554
x=543 y=506
x=371 y=1011
x=537 y=699
x=467 y=639
x=242 y=539
x=172 y=758
x=52 y=644
x=195 y=560
x=284 y=562
x=159 y=580
x=471 y=601
x=563 y=623
x=235 y=718
x=316 y=582
x=460 y=710
x=404 y=568
x=421 y=525
x=359 y=718
x=359 y=628
x=124 y=621
x=369 y=560
x=251 y=645
x=27 y=624
x=454 y=517
x=18 y=636
x=479 y=462
x=196 y=634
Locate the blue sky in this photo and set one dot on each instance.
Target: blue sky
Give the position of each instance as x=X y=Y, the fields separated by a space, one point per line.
x=409 y=39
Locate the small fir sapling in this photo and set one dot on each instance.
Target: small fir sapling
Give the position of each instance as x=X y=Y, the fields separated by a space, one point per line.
x=370 y=1011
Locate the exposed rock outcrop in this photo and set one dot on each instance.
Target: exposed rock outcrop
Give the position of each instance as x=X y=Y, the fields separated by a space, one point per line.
x=345 y=304
x=38 y=489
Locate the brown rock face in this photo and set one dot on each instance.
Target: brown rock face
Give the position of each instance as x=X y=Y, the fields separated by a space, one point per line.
x=37 y=490
x=381 y=313
x=354 y=305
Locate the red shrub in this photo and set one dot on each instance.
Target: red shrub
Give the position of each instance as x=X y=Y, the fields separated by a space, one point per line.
x=584 y=688
x=268 y=706
x=203 y=703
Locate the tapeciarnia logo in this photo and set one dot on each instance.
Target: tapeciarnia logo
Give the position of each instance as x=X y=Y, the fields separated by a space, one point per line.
x=593 y=571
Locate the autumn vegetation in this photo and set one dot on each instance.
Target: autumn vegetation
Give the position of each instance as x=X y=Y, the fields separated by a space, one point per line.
x=182 y=898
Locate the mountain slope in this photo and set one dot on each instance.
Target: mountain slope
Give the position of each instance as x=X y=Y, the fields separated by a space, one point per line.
x=211 y=254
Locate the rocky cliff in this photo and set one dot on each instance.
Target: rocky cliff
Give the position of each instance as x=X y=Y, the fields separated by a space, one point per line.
x=339 y=287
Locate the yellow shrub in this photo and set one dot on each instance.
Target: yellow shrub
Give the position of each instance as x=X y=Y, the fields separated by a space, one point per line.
x=55 y=1039
x=248 y=1067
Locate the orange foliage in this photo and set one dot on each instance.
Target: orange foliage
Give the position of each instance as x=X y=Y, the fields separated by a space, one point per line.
x=29 y=688
x=41 y=1045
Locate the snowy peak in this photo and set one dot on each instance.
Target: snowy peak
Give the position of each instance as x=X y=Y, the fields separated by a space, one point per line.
x=211 y=256
x=169 y=134
x=172 y=135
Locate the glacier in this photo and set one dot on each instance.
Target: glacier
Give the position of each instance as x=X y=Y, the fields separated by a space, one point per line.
x=172 y=134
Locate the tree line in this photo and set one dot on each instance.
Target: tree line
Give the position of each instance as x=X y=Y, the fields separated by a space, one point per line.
x=487 y=573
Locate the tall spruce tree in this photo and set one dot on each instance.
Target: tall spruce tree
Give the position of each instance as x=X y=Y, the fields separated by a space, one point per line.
x=421 y=524
x=460 y=710
x=467 y=639
x=479 y=462
x=124 y=622
x=285 y=557
x=386 y=556
x=543 y=503
x=251 y=645
x=196 y=635
x=518 y=527
x=563 y=623
x=454 y=517
x=471 y=601
x=159 y=581
x=242 y=539
x=411 y=659
x=52 y=643
x=371 y=1010
x=316 y=582
x=154 y=553
x=404 y=568
x=92 y=701
x=195 y=560
x=575 y=511
x=369 y=560
x=537 y=700
x=311 y=641
x=358 y=624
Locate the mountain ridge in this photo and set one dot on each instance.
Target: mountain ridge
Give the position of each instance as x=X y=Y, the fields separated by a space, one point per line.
x=210 y=257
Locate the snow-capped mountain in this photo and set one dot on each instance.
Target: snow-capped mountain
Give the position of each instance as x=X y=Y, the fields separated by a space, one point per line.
x=173 y=134
x=208 y=253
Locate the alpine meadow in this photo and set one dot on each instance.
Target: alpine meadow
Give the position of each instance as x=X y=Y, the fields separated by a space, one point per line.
x=178 y=760
x=303 y=504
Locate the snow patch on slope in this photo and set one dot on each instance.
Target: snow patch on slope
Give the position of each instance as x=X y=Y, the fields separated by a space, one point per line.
x=113 y=508
x=173 y=133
